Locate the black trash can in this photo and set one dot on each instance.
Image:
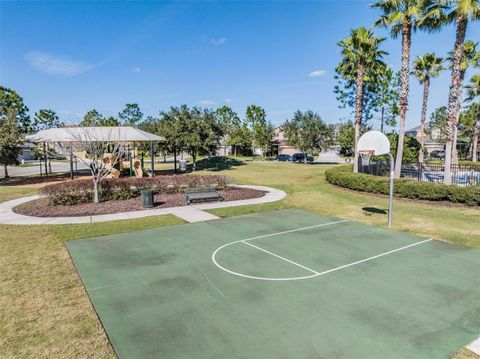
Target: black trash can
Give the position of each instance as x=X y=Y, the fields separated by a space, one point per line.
x=146 y=197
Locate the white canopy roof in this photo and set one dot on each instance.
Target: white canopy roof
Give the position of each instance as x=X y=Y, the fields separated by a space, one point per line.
x=94 y=134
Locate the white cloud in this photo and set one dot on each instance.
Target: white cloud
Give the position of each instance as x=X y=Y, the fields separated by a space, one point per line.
x=52 y=64
x=227 y=100
x=317 y=73
x=136 y=69
x=207 y=102
x=219 y=41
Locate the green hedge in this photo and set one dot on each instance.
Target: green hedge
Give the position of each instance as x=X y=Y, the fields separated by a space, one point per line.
x=343 y=176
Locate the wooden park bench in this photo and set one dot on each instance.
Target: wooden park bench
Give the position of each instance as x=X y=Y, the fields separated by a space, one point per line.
x=201 y=195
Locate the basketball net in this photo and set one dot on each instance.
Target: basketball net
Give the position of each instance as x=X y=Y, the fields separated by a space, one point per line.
x=365 y=155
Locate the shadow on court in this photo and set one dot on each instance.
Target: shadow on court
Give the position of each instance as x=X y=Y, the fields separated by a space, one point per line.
x=284 y=284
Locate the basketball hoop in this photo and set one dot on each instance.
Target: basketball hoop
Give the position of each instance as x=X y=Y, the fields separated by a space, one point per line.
x=376 y=143
x=365 y=155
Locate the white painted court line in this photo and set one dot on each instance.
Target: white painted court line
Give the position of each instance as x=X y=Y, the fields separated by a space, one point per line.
x=293 y=230
x=315 y=273
x=264 y=236
x=374 y=257
x=276 y=255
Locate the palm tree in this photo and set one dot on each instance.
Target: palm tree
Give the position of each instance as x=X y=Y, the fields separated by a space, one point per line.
x=402 y=17
x=461 y=12
x=361 y=61
x=424 y=68
x=473 y=92
x=470 y=58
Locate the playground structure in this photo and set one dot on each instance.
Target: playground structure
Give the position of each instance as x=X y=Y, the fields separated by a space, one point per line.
x=116 y=167
x=68 y=138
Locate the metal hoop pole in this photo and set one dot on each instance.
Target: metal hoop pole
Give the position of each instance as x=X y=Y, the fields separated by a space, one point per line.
x=390 y=197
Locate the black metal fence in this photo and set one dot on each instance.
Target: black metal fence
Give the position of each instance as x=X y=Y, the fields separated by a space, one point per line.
x=464 y=175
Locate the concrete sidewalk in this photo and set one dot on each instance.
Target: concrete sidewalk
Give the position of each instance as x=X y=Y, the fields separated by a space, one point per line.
x=192 y=213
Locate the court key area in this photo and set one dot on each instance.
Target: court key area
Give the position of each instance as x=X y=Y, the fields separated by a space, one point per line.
x=283 y=284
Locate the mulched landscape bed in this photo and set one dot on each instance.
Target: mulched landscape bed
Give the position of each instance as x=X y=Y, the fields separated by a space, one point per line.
x=41 y=208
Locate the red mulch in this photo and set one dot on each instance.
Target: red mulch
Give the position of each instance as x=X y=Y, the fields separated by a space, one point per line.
x=41 y=208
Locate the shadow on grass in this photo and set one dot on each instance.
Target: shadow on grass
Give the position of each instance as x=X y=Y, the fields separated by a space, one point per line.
x=368 y=211
x=217 y=164
x=36 y=179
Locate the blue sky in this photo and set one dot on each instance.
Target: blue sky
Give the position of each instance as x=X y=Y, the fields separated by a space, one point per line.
x=75 y=56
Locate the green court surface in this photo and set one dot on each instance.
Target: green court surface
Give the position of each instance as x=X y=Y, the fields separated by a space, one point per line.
x=285 y=284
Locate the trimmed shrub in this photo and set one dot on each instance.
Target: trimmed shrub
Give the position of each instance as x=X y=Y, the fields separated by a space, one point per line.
x=81 y=191
x=343 y=176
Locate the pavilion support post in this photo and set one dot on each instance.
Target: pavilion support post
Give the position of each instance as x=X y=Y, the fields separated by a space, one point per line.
x=152 y=160
x=45 y=158
x=71 y=165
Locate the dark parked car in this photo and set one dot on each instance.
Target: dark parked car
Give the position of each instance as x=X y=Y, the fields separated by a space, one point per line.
x=300 y=157
x=283 y=158
x=438 y=154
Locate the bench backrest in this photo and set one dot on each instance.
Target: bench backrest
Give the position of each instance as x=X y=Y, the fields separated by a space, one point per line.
x=201 y=190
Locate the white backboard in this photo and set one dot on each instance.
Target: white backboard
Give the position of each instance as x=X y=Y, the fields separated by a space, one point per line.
x=374 y=141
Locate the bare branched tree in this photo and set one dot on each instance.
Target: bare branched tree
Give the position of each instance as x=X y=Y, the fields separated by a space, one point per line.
x=96 y=143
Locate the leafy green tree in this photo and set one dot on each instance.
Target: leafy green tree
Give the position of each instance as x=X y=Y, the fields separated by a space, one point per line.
x=424 y=68
x=91 y=118
x=387 y=96
x=173 y=126
x=346 y=138
x=242 y=137
x=473 y=93
x=231 y=126
x=459 y=12
x=43 y=120
x=307 y=132
x=11 y=139
x=411 y=147
x=471 y=58
x=402 y=17
x=255 y=117
x=11 y=101
x=467 y=126
x=152 y=124
x=438 y=124
x=346 y=92
x=131 y=115
x=109 y=122
x=361 y=62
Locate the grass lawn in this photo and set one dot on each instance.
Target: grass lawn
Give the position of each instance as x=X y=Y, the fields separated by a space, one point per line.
x=46 y=312
x=307 y=188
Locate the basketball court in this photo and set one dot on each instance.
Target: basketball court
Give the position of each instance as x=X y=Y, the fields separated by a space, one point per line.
x=284 y=284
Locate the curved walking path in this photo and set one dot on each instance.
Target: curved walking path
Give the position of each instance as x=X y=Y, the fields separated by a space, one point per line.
x=192 y=213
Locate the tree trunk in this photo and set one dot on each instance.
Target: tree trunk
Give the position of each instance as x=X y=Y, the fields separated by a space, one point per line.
x=305 y=157
x=95 y=191
x=194 y=160
x=49 y=159
x=454 y=94
x=175 y=160
x=382 y=119
x=6 y=172
x=235 y=149
x=404 y=79
x=476 y=131
x=426 y=85
x=457 y=117
x=359 y=83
